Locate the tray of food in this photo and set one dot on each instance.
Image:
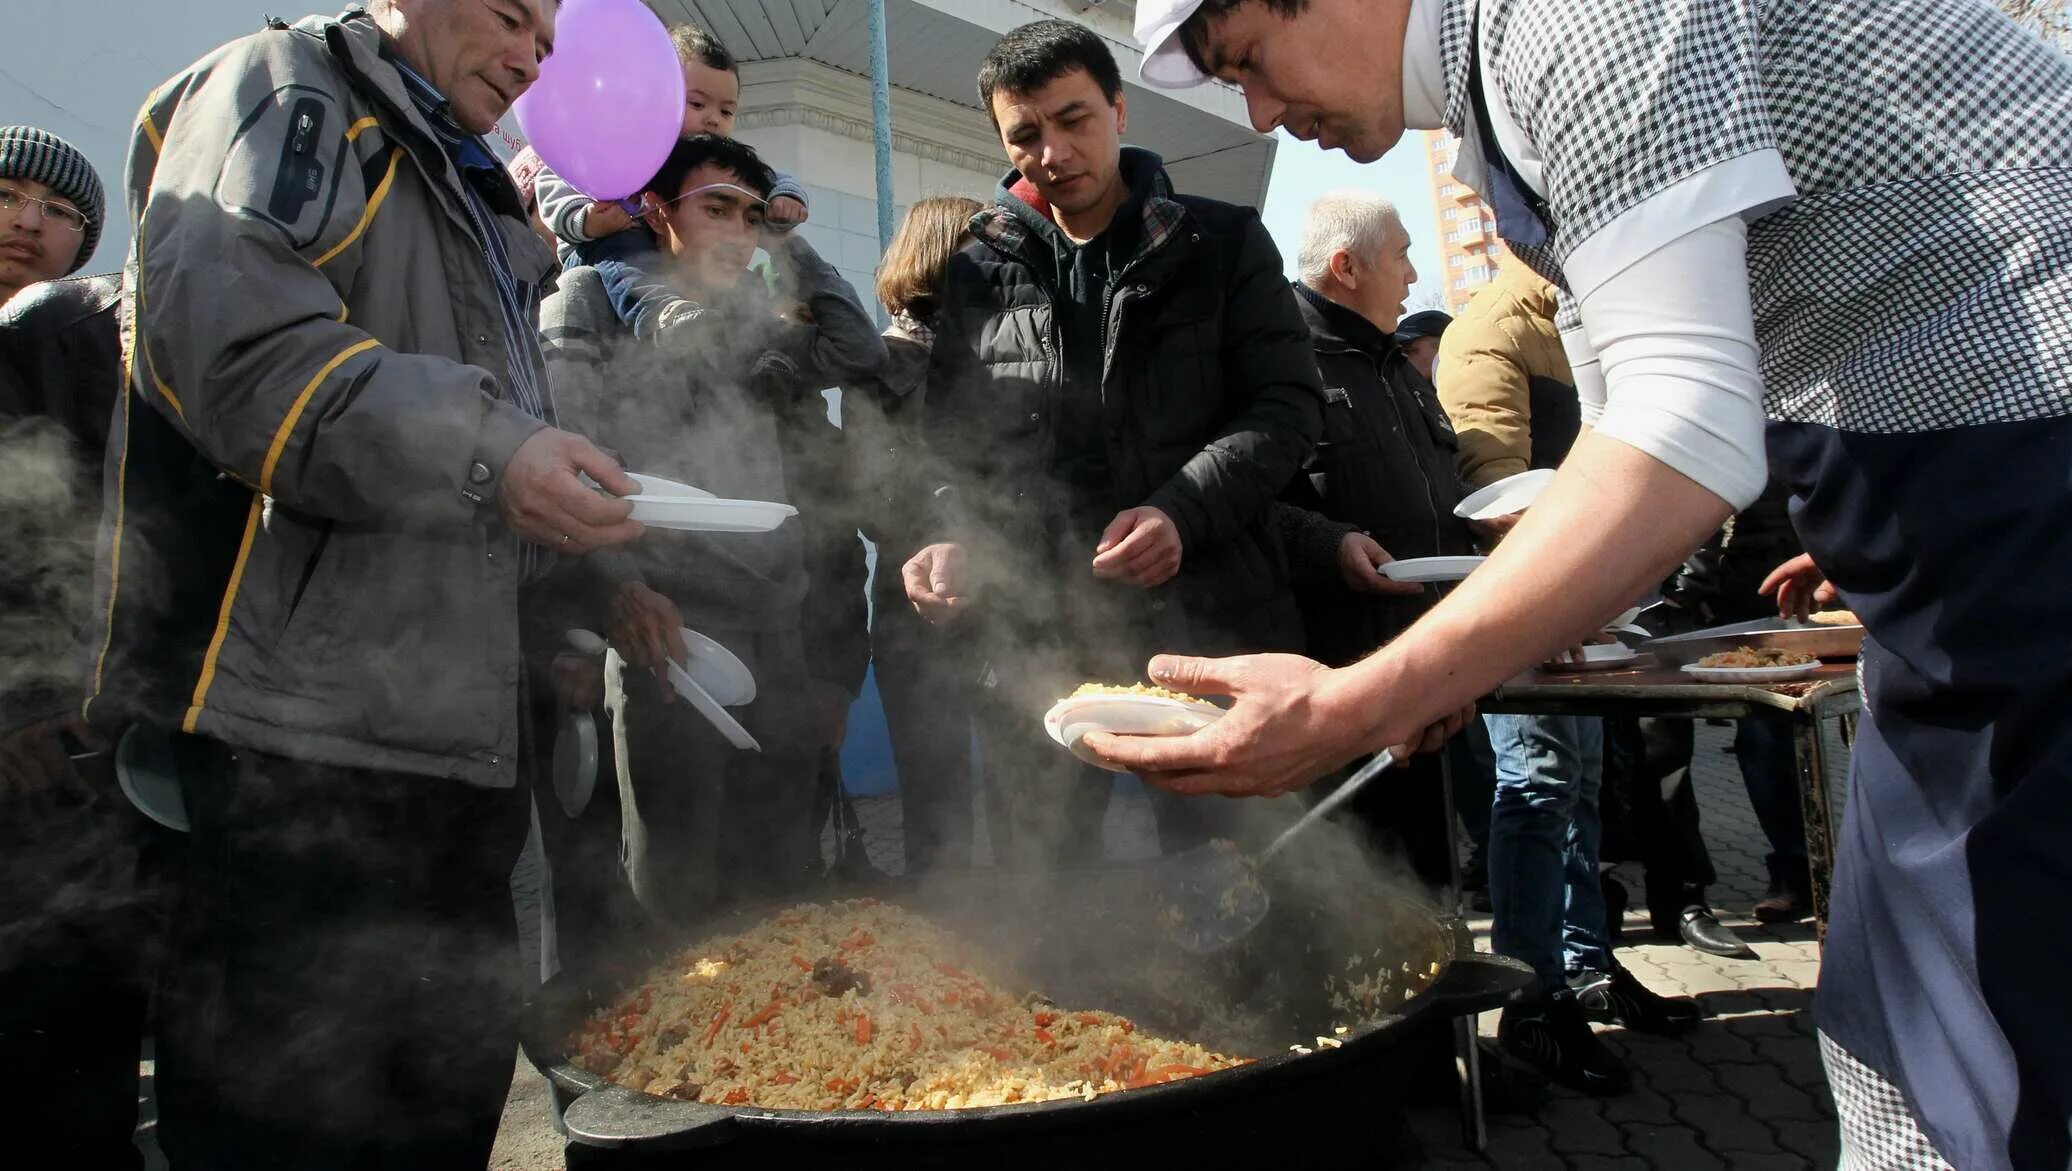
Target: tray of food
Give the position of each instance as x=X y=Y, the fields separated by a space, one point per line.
x=1833 y=634
x=863 y=1006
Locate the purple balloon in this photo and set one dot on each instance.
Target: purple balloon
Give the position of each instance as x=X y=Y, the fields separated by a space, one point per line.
x=608 y=105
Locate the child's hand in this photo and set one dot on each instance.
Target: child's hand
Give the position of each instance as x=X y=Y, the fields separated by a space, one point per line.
x=785 y=213
x=605 y=218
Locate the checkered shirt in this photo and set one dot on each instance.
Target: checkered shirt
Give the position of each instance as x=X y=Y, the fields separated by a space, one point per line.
x=1923 y=277
x=1879 y=1133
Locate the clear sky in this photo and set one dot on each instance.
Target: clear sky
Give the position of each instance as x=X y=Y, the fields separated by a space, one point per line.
x=1301 y=172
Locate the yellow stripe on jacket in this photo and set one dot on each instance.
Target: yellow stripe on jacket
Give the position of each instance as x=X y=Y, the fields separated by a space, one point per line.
x=237 y=578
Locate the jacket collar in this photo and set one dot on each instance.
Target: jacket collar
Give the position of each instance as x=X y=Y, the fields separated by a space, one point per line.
x=1424 y=66
x=1005 y=229
x=361 y=49
x=1335 y=328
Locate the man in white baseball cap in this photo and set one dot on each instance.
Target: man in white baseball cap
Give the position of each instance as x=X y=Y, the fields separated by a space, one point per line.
x=1895 y=178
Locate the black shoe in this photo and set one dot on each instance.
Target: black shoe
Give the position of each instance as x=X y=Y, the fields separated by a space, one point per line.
x=1619 y=999
x=1703 y=931
x=1550 y=1036
x=1783 y=905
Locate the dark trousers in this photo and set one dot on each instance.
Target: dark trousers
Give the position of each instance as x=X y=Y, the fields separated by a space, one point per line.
x=1405 y=814
x=1473 y=765
x=925 y=680
x=80 y=921
x=1649 y=762
x=726 y=825
x=342 y=988
x=1770 y=771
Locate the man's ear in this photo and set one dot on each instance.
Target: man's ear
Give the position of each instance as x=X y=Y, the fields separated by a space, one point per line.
x=653 y=213
x=1342 y=264
x=1122 y=115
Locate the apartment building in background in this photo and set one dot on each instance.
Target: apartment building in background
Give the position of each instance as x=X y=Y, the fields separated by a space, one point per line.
x=1468 y=246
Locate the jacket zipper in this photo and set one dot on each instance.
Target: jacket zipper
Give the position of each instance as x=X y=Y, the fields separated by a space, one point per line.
x=1431 y=501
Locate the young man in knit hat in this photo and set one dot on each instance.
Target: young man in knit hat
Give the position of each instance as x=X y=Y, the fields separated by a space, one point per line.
x=77 y=923
x=50 y=208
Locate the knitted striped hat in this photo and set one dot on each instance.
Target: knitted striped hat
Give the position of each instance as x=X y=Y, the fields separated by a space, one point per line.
x=43 y=157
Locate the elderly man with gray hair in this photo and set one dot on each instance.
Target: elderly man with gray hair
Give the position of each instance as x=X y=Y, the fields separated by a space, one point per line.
x=1381 y=485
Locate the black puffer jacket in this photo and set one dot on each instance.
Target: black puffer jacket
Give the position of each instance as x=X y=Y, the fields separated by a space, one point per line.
x=1386 y=467
x=1209 y=396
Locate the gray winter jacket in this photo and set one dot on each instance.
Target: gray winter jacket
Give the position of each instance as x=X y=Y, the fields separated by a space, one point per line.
x=302 y=553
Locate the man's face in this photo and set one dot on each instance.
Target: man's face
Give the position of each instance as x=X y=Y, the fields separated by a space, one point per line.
x=1384 y=280
x=1423 y=352
x=710 y=99
x=1331 y=74
x=713 y=234
x=481 y=54
x=37 y=243
x=1065 y=138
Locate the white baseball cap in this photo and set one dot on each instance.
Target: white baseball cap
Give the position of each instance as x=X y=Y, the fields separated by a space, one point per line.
x=1165 y=59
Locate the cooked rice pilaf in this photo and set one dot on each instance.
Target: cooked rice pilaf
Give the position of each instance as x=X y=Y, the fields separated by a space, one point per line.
x=1143 y=689
x=1749 y=656
x=860 y=1005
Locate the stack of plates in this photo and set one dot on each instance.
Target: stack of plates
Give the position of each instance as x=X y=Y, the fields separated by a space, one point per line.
x=667 y=504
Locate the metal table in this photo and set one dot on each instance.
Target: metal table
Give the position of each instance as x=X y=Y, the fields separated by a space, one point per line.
x=1665 y=692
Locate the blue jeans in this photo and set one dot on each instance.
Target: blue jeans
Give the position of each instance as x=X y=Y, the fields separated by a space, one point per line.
x=1770 y=770
x=1543 y=839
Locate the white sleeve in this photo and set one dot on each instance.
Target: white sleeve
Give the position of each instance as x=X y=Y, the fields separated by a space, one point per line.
x=1674 y=333
x=1586 y=372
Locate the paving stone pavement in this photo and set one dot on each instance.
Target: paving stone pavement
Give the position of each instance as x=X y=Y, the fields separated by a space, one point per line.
x=1743 y=1091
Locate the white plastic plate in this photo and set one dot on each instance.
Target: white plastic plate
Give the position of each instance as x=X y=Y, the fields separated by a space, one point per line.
x=1607 y=656
x=709 y=514
x=719 y=671
x=1506 y=496
x=575 y=762
x=1069 y=720
x=1750 y=674
x=709 y=708
x=1432 y=569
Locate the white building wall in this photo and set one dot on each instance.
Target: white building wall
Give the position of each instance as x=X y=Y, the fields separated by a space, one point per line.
x=840 y=178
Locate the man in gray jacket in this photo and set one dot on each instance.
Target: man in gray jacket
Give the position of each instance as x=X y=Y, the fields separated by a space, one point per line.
x=332 y=468
x=726 y=398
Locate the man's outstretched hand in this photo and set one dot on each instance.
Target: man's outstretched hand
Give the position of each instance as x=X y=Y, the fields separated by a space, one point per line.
x=1141 y=546
x=544 y=500
x=1292 y=721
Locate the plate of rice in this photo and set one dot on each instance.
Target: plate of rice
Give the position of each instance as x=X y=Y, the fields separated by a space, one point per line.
x=860 y=1005
x=1748 y=664
x=1125 y=710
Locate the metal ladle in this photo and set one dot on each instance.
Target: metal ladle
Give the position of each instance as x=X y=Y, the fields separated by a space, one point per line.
x=1210 y=898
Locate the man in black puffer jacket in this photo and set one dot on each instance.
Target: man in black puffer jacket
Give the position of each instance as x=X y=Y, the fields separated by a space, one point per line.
x=1121 y=386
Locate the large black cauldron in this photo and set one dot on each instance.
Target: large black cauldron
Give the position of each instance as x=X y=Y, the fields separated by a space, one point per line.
x=1089 y=943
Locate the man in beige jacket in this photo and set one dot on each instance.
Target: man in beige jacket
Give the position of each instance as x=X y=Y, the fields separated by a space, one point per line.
x=1500 y=370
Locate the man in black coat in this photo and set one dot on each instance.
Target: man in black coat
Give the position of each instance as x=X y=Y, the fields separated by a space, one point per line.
x=76 y=923
x=1383 y=484
x=1121 y=386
